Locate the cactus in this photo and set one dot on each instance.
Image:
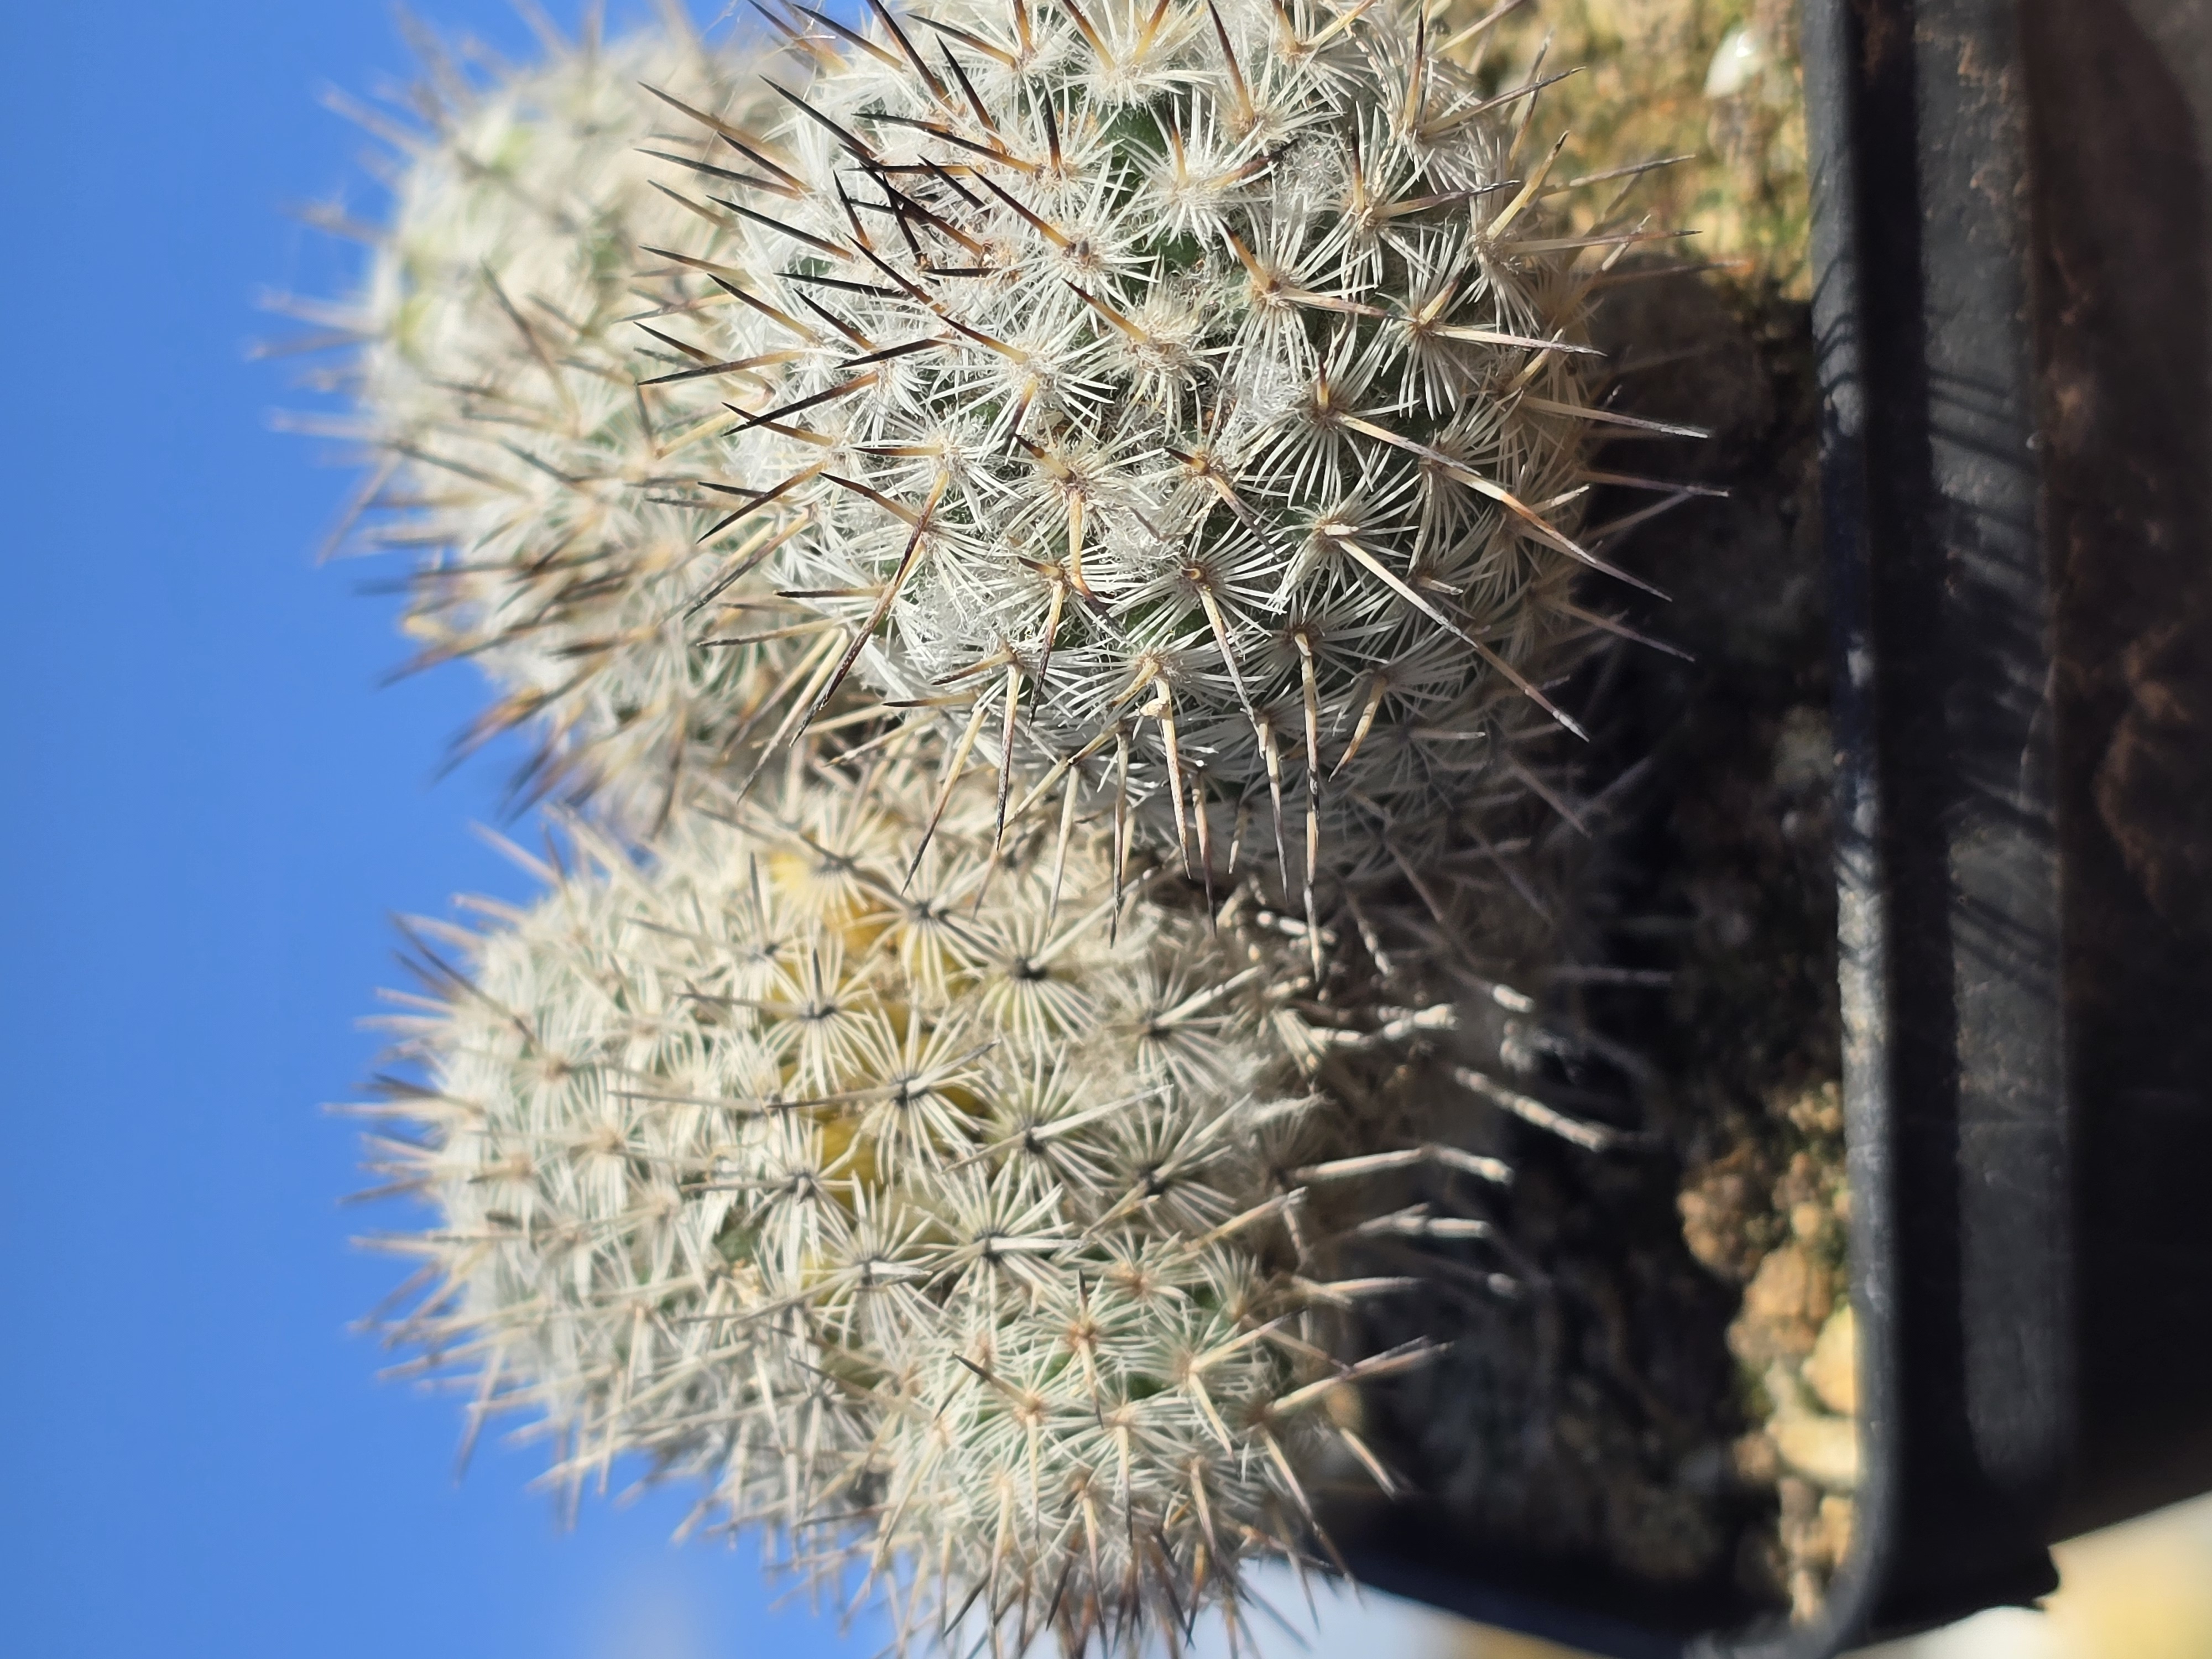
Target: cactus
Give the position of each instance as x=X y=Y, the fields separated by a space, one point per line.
x=1177 y=408
x=1185 y=394
x=501 y=322
x=924 y=1206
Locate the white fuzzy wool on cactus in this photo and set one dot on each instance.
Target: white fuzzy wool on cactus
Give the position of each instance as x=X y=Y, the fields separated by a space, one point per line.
x=920 y=1208
x=501 y=321
x=1185 y=393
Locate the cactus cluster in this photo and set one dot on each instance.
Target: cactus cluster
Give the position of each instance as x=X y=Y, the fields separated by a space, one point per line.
x=922 y=1205
x=1121 y=462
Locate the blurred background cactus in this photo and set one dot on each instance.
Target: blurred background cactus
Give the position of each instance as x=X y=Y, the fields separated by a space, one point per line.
x=514 y=456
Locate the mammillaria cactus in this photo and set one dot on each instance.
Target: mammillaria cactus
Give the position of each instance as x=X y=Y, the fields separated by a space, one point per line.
x=496 y=387
x=1175 y=412
x=929 y=1211
x=1185 y=393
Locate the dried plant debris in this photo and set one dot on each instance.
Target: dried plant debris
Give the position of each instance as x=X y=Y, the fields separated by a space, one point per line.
x=1713 y=82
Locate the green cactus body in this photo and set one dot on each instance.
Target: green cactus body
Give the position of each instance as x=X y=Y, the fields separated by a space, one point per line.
x=1187 y=396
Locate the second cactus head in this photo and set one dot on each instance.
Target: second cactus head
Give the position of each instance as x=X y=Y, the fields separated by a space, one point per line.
x=1187 y=397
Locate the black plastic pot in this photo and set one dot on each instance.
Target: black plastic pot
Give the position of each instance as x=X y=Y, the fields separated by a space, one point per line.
x=2012 y=318
x=2016 y=347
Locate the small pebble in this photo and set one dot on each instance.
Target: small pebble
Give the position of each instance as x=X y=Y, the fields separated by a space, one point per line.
x=1755 y=1460
x=1837 y=1513
x=1823 y=1450
x=1735 y=65
x=1832 y=1371
x=1784 y=1306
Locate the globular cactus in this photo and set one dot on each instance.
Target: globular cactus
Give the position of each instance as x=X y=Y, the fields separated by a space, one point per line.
x=1186 y=394
x=1178 y=407
x=506 y=319
x=928 y=1208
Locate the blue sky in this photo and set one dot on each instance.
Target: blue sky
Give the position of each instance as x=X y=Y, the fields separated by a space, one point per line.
x=211 y=810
